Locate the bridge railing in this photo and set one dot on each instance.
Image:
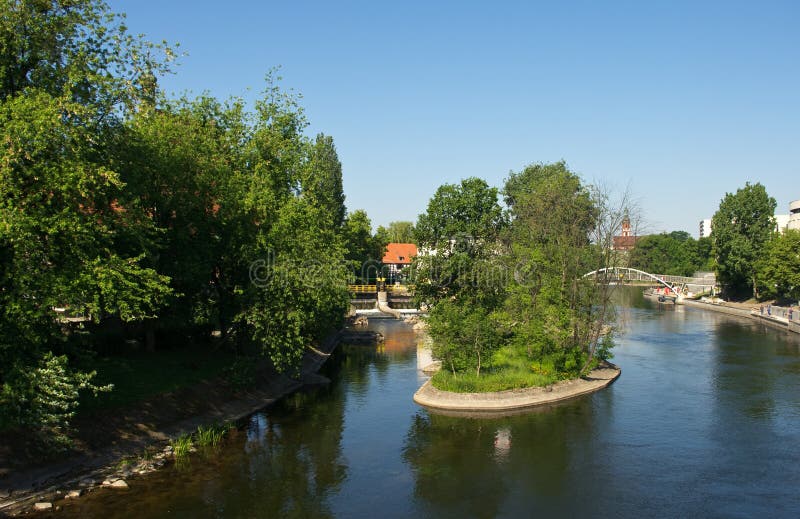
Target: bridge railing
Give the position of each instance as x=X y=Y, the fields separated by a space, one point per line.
x=627 y=274
x=371 y=289
x=362 y=289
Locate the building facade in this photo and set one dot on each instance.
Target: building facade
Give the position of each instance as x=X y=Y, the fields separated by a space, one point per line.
x=626 y=240
x=397 y=257
x=794 y=215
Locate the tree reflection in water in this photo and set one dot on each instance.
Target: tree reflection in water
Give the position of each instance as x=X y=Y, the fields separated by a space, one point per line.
x=485 y=467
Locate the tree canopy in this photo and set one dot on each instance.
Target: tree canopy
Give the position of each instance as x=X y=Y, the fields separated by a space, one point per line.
x=778 y=267
x=676 y=254
x=148 y=217
x=742 y=226
x=396 y=232
x=508 y=289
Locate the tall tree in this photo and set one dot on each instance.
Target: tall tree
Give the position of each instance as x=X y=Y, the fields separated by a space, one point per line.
x=363 y=251
x=551 y=304
x=300 y=294
x=322 y=180
x=742 y=226
x=66 y=235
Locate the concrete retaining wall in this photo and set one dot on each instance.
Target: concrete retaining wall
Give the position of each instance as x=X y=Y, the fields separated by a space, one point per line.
x=774 y=322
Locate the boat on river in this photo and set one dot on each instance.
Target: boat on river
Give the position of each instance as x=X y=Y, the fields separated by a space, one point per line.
x=662 y=295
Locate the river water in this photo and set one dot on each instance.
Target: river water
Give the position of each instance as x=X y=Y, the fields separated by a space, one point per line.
x=703 y=422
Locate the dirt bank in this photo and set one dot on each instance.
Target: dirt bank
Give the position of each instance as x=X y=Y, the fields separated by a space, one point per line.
x=104 y=439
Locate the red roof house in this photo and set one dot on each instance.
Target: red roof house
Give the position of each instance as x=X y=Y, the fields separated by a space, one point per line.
x=397 y=256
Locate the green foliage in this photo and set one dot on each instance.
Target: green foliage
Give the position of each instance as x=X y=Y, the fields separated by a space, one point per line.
x=44 y=399
x=364 y=251
x=778 y=267
x=465 y=335
x=182 y=446
x=323 y=180
x=675 y=254
x=397 y=232
x=210 y=436
x=510 y=297
x=149 y=216
x=742 y=226
x=461 y=227
x=551 y=308
x=78 y=50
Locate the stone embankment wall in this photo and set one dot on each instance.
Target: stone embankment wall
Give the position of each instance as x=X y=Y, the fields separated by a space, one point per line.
x=516 y=399
x=777 y=317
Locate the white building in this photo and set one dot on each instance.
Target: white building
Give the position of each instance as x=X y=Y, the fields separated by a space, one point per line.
x=781 y=221
x=794 y=215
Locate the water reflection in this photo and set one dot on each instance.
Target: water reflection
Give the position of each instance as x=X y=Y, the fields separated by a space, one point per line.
x=703 y=422
x=485 y=467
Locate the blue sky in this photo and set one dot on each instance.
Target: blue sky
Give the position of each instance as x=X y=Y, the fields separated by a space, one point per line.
x=680 y=102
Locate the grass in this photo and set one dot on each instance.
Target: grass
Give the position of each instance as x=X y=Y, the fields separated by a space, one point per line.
x=137 y=376
x=210 y=436
x=182 y=446
x=509 y=370
x=205 y=437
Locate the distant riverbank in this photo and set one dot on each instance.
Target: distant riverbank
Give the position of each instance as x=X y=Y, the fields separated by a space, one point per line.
x=747 y=311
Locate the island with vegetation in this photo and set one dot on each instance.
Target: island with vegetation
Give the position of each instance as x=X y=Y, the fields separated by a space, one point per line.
x=510 y=305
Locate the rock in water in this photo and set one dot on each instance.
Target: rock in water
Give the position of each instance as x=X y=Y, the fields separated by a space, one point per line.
x=120 y=484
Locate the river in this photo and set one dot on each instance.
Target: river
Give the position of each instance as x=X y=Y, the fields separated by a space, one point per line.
x=703 y=422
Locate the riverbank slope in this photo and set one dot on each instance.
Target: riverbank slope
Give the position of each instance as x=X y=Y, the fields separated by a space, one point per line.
x=153 y=422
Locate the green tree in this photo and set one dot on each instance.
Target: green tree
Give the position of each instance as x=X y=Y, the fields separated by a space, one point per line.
x=363 y=251
x=300 y=294
x=675 y=254
x=323 y=180
x=63 y=229
x=397 y=232
x=458 y=277
x=742 y=226
x=461 y=229
x=465 y=335
x=77 y=50
x=778 y=267
x=553 y=309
